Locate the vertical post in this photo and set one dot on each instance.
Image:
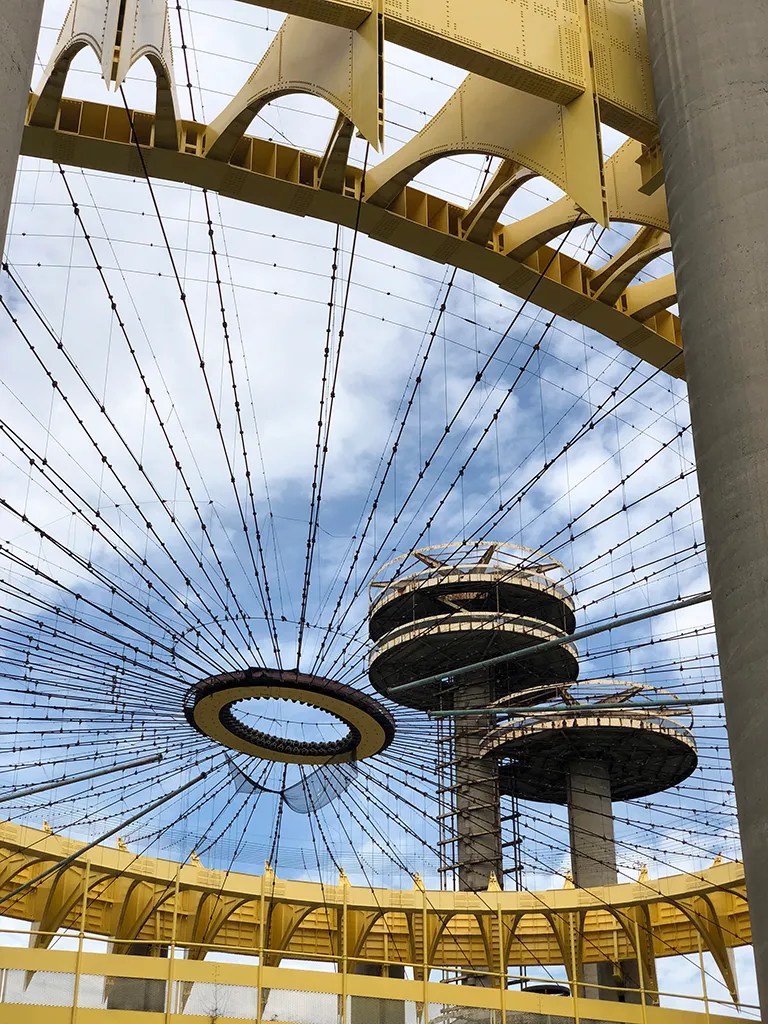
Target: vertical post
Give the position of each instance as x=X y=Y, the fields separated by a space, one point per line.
x=263 y=925
x=703 y=970
x=425 y=953
x=641 y=972
x=80 y=939
x=709 y=63
x=574 y=969
x=478 y=812
x=593 y=851
x=344 y=965
x=502 y=960
x=19 y=28
x=170 y=996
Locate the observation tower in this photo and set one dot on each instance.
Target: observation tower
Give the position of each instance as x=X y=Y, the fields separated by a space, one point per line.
x=443 y=609
x=587 y=751
x=453 y=606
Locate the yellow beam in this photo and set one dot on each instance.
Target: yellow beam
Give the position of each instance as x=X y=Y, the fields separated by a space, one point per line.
x=188 y=906
x=515 y=257
x=239 y=978
x=537 y=48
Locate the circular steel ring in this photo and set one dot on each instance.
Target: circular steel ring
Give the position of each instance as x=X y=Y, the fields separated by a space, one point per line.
x=210 y=709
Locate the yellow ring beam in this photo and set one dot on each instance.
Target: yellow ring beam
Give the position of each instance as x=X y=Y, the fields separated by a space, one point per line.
x=543 y=78
x=515 y=257
x=210 y=710
x=130 y=898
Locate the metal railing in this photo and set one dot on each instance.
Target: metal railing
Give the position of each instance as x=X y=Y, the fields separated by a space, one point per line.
x=163 y=984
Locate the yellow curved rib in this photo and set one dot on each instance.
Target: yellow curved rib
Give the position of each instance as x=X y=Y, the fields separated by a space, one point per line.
x=115 y=893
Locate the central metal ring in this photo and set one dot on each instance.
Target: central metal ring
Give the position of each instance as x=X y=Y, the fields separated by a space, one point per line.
x=210 y=708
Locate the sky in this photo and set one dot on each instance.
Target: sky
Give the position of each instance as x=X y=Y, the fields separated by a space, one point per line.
x=105 y=397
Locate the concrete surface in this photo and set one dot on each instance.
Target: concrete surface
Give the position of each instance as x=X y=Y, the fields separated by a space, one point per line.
x=710 y=68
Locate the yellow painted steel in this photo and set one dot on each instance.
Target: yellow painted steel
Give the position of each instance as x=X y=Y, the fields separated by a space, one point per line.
x=544 y=48
x=130 y=898
x=376 y=993
x=515 y=256
x=545 y=74
x=207 y=717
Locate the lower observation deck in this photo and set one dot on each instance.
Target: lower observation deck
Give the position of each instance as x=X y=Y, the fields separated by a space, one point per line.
x=643 y=754
x=644 y=750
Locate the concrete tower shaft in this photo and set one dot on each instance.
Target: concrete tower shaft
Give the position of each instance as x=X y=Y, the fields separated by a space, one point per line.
x=19 y=28
x=593 y=850
x=479 y=851
x=709 y=63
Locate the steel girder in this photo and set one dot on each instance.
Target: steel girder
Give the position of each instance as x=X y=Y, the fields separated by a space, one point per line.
x=570 y=71
x=557 y=49
x=129 y=898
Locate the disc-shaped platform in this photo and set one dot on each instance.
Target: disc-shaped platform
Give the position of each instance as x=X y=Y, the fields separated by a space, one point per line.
x=476 y=589
x=211 y=708
x=443 y=643
x=477 y=576
x=644 y=753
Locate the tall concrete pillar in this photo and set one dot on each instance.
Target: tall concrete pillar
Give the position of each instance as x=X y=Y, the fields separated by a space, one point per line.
x=478 y=810
x=710 y=69
x=593 y=849
x=593 y=863
x=590 y=823
x=19 y=28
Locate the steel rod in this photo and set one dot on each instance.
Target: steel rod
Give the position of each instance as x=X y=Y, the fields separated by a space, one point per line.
x=18 y=794
x=102 y=838
x=580 y=634
x=680 y=704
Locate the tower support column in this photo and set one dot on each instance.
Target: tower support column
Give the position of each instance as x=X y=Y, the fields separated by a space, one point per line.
x=593 y=851
x=478 y=811
x=590 y=823
x=593 y=862
x=709 y=69
x=19 y=28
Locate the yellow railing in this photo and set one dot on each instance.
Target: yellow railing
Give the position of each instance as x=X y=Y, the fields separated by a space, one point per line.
x=157 y=984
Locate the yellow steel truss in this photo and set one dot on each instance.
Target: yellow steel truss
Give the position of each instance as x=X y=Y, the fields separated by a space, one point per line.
x=515 y=256
x=544 y=76
x=129 y=898
x=542 y=48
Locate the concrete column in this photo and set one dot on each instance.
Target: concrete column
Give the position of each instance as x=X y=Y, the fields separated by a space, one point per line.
x=478 y=812
x=593 y=863
x=593 y=851
x=590 y=823
x=19 y=29
x=710 y=67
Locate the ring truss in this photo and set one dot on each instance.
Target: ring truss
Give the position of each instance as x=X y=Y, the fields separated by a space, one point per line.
x=129 y=899
x=540 y=111
x=369 y=727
